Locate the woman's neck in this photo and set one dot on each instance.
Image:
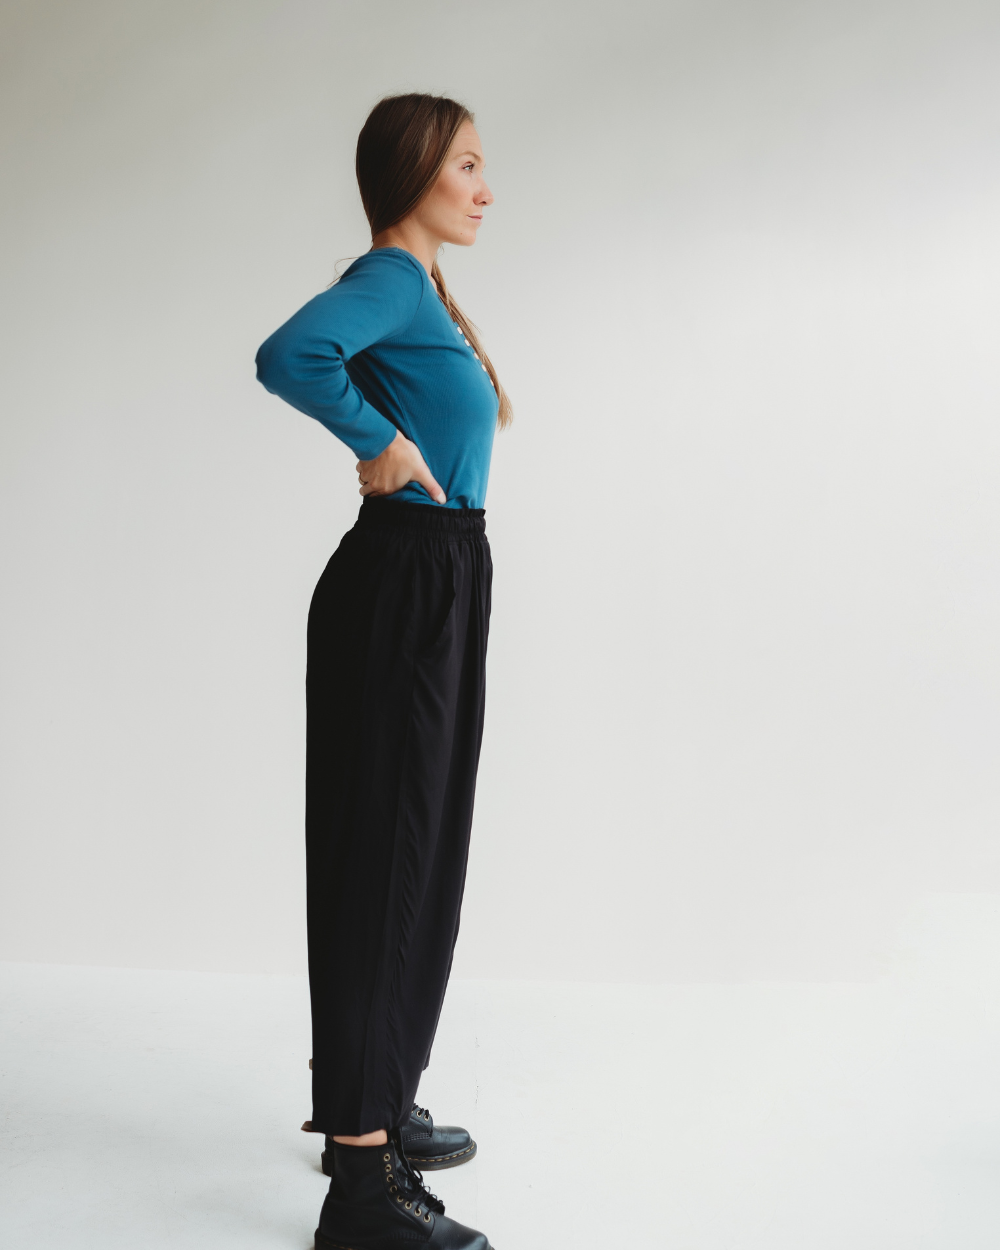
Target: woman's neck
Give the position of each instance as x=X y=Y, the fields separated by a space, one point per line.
x=413 y=239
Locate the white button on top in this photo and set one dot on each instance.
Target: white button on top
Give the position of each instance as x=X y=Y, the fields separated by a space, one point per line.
x=467 y=343
x=484 y=369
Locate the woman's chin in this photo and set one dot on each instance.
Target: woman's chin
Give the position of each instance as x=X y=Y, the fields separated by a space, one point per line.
x=465 y=236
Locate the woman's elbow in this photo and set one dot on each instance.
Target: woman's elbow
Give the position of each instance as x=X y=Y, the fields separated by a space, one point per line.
x=272 y=368
x=297 y=370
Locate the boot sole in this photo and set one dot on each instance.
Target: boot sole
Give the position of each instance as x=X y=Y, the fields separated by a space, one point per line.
x=324 y=1243
x=436 y=1163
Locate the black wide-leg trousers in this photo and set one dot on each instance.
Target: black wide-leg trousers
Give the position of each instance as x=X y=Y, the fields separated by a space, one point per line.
x=395 y=692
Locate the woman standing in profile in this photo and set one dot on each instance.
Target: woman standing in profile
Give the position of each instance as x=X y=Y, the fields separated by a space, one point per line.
x=396 y=668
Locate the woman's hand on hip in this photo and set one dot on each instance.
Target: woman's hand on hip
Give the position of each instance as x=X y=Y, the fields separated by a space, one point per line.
x=400 y=463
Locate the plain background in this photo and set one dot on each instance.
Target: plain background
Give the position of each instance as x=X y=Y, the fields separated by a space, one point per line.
x=740 y=280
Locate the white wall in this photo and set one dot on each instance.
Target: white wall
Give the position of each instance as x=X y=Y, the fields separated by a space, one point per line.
x=741 y=281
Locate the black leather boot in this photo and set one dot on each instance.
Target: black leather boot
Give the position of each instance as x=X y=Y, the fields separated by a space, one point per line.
x=429 y=1146
x=377 y=1201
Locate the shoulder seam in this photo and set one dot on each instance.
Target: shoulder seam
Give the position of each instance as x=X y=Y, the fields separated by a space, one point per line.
x=421 y=273
x=402 y=253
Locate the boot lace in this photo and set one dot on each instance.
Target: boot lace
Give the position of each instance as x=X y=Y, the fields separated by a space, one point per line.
x=412 y=1180
x=421 y=1112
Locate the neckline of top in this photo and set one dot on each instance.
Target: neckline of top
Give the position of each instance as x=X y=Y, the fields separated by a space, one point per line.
x=403 y=252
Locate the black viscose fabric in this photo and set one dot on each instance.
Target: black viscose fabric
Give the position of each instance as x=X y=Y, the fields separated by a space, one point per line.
x=395 y=692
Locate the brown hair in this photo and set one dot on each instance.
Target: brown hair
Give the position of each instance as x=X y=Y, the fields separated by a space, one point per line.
x=401 y=149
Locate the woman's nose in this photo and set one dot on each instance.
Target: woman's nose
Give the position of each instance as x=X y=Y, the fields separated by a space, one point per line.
x=485 y=195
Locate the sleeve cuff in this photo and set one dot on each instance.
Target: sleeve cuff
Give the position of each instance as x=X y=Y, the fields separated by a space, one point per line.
x=370 y=433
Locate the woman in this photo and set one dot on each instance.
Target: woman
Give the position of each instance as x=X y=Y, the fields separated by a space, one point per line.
x=396 y=655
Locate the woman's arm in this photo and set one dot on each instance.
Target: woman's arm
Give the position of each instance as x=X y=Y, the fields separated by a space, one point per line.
x=304 y=360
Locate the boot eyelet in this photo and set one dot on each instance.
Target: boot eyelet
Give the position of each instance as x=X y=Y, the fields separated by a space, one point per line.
x=385 y=1158
x=399 y=1197
x=417 y=1212
x=388 y=1167
x=427 y=1218
x=409 y=1205
x=392 y=1189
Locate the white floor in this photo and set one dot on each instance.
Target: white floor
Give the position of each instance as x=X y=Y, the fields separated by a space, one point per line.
x=161 y=1109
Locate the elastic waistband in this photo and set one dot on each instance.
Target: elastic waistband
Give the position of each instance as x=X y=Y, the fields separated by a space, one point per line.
x=426 y=518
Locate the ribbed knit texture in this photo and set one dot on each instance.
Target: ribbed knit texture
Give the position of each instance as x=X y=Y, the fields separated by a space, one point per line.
x=377 y=353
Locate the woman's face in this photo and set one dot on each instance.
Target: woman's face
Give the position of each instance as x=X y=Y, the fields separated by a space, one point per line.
x=453 y=208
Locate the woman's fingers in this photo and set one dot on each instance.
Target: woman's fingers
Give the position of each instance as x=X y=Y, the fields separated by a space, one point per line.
x=367 y=472
x=401 y=462
x=428 y=483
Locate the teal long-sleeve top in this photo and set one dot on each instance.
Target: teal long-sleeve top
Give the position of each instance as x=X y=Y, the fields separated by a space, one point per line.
x=378 y=352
